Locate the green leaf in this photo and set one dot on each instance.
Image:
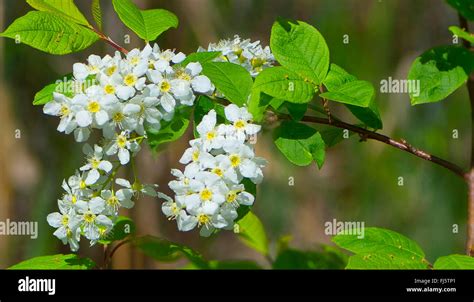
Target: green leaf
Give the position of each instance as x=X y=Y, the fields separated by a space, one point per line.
x=170 y=131
x=295 y=259
x=233 y=80
x=300 y=143
x=300 y=47
x=147 y=24
x=59 y=261
x=381 y=249
x=201 y=57
x=357 y=93
x=454 y=262
x=464 y=7
x=167 y=251
x=50 y=33
x=338 y=78
x=258 y=103
x=45 y=95
x=122 y=228
x=64 y=8
x=461 y=33
x=439 y=72
x=252 y=233
x=97 y=13
x=280 y=82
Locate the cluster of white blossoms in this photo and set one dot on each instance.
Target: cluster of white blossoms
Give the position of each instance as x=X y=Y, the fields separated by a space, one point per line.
x=121 y=97
x=250 y=55
x=128 y=93
x=211 y=188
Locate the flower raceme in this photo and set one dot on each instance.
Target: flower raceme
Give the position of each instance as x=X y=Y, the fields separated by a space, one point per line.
x=121 y=97
x=209 y=191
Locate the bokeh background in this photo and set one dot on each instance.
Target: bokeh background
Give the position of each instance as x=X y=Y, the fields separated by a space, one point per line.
x=359 y=181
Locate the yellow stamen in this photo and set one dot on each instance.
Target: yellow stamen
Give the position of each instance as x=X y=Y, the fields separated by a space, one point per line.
x=93 y=106
x=206 y=194
x=130 y=79
x=234 y=160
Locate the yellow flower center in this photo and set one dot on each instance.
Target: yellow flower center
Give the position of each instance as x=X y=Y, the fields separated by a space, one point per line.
x=121 y=141
x=130 y=79
x=231 y=196
x=89 y=217
x=165 y=86
x=82 y=185
x=218 y=172
x=93 y=68
x=257 y=62
x=183 y=75
x=65 y=220
x=203 y=219
x=240 y=124
x=135 y=60
x=113 y=200
x=211 y=135
x=94 y=162
x=206 y=194
x=234 y=160
x=65 y=111
x=118 y=117
x=195 y=155
x=110 y=70
x=93 y=106
x=109 y=89
x=73 y=199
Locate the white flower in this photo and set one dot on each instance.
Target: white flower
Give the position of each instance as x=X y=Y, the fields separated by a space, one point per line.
x=94 y=107
x=143 y=109
x=130 y=80
x=122 y=146
x=243 y=159
x=94 y=224
x=67 y=224
x=137 y=187
x=221 y=166
x=95 y=163
x=212 y=136
x=161 y=59
x=240 y=118
x=82 y=71
x=114 y=201
x=65 y=108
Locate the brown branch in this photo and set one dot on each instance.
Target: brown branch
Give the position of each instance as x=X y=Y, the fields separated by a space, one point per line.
x=109 y=40
x=399 y=144
x=470 y=176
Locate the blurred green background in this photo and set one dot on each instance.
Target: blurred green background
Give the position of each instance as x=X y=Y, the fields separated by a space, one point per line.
x=359 y=181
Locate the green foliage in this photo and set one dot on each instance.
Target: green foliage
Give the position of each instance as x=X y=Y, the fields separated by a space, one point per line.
x=381 y=249
x=300 y=47
x=461 y=33
x=295 y=259
x=258 y=103
x=59 y=261
x=300 y=143
x=280 y=82
x=45 y=95
x=454 y=262
x=147 y=24
x=97 y=13
x=338 y=83
x=170 y=131
x=50 y=33
x=464 y=7
x=252 y=233
x=233 y=80
x=440 y=71
x=201 y=57
x=63 y=8
x=122 y=228
x=232 y=265
x=167 y=251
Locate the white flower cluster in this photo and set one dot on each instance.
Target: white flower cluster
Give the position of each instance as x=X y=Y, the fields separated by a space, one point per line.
x=90 y=204
x=210 y=189
x=127 y=95
x=250 y=55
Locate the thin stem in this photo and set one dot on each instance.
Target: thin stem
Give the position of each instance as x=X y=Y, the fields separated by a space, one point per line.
x=112 y=252
x=109 y=41
x=399 y=144
x=470 y=176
